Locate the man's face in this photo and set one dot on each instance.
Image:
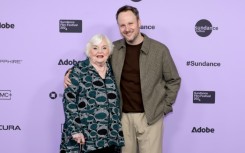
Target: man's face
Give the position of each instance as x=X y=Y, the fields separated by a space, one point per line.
x=129 y=27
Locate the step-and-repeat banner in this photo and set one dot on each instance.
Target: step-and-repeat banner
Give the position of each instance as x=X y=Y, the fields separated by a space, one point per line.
x=40 y=40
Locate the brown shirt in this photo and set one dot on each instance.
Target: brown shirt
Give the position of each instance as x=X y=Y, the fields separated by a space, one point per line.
x=159 y=78
x=130 y=80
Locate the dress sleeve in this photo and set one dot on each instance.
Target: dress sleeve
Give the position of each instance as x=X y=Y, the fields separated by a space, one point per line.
x=70 y=103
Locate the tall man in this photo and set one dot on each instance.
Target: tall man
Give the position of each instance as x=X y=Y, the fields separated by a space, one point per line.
x=148 y=81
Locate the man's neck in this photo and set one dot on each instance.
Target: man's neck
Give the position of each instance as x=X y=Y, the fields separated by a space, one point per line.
x=137 y=41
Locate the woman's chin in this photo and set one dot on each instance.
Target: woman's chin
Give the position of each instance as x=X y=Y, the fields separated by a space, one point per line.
x=100 y=61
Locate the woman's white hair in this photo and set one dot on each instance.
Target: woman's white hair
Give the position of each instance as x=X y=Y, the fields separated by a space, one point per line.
x=96 y=40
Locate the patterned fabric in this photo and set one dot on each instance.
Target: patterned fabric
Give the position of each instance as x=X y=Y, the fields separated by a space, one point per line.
x=92 y=107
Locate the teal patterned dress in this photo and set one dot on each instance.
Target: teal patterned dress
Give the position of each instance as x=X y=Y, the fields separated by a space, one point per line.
x=92 y=107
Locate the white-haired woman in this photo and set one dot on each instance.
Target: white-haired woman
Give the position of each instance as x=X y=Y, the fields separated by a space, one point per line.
x=91 y=103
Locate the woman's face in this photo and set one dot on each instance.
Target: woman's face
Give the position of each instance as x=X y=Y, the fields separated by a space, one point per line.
x=99 y=53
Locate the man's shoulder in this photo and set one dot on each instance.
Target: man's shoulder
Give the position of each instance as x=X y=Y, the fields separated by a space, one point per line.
x=153 y=43
x=118 y=42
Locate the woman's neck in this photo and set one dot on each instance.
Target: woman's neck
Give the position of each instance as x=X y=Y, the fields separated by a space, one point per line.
x=101 y=68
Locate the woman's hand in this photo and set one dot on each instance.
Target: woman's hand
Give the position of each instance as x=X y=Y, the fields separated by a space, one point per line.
x=79 y=138
x=67 y=80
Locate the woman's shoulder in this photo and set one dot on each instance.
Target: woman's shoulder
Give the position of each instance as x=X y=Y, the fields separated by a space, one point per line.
x=80 y=67
x=82 y=64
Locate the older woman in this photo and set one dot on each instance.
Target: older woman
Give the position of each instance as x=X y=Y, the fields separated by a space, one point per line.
x=91 y=104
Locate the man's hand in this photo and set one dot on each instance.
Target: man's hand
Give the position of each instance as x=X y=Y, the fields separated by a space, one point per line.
x=79 y=138
x=67 y=80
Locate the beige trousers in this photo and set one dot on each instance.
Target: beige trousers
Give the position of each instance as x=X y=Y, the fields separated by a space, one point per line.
x=139 y=136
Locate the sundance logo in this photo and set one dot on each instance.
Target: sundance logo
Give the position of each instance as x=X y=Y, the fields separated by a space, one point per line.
x=147 y=27
x=202 y=130
x=204 y=97
x=70 y=26
x=204 y=28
